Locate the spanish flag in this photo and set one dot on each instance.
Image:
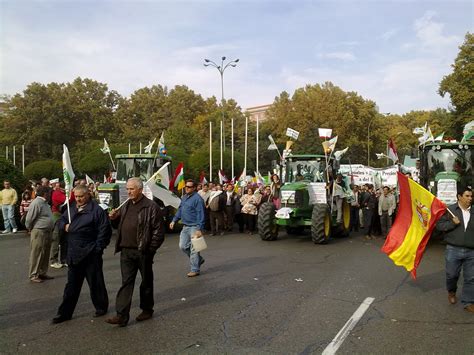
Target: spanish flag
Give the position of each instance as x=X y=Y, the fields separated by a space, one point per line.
x=418 y=212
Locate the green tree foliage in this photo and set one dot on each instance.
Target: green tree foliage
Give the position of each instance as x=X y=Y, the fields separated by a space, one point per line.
x=44 y=117
x=50 y=169
x=460 y=86
x=325 y=106
x=11 y=173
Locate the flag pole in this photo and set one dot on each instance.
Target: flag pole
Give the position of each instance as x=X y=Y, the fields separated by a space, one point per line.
x=245 y=150
x=256 y=148
x=210 y=151
x=110 y=155
x=221 y=145
x=232 y=144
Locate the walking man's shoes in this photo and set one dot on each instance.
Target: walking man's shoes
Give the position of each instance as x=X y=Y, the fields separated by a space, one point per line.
x=59 y=319
x=193 y=274
x=36 y=280
x=121 y=322
x=470 y=308
x=452 y=297
x=100 y=313
x=145 y=315
x=46 y=277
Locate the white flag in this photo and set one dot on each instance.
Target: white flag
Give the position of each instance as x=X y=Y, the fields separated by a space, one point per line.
x=161 y=144
x=324 y=133
x=272 y=145
x=338 y=155
x=89 y=180
x=439 y=138
x=106 y=148
x=68 y=173
x=149 y=146
x=158 y=183
x=330 y=144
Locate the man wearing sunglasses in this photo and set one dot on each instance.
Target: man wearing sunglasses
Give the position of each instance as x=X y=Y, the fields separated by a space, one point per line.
x=191 y=213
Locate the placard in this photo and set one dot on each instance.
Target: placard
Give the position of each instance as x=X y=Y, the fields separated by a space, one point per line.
x=447 y=191
x=317 y=192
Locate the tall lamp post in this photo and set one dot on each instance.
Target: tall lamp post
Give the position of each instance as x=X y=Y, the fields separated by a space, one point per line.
x=221 y=69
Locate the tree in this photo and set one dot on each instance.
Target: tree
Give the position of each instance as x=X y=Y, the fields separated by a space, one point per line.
x=50 y=169
x=460 y=86
x=44 y=117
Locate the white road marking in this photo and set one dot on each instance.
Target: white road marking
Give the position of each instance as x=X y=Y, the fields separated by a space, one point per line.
x=346 y=329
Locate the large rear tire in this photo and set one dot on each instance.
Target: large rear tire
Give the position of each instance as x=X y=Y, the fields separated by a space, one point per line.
x=320 y=224
x=267 y=228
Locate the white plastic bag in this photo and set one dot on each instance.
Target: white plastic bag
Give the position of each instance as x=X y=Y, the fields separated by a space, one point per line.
x=199 y=243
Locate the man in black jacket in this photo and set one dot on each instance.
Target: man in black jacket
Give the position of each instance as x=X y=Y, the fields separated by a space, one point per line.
x=459 y=237
x=140 y=225
x=88 y=235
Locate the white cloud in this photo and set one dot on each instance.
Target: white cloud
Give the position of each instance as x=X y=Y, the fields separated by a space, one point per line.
x=388 y=34
x=430 y=33
x=346 y=56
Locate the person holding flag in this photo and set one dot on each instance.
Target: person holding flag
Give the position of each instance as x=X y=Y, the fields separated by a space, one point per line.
x=459 y=236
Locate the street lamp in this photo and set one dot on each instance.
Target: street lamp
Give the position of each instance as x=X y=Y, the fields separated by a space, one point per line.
x=221 y=69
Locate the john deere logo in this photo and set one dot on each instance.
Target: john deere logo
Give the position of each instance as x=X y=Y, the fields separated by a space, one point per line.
x=423 y=213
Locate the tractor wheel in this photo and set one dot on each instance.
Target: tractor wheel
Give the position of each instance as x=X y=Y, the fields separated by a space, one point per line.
x=343 y=229
x=320 y=224
x=267 y=228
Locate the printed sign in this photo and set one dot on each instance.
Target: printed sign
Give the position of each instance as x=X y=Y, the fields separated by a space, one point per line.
x=292 y=133
x=360 y=175
x=317 y=192
x=447 y=191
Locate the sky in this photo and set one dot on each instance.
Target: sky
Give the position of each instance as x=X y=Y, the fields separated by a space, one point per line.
x=392 y=52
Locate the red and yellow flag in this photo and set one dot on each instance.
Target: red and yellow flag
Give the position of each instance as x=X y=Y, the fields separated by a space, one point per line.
x=418 y=212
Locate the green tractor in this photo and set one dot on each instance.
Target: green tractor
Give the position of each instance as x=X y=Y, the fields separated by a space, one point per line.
x=306 y=202
x=131 y=165
x=445 y=165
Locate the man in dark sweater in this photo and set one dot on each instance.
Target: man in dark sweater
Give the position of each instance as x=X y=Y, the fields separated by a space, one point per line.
x=88 y=233
x=459 y=237
x=140 y=226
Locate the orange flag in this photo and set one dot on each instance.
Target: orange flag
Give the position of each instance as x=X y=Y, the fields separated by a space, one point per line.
x=418 y=212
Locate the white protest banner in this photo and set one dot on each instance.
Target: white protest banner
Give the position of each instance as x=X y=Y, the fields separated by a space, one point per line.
x=360 y=174
x=325 y=133
x=447 y=191
x=292 y=133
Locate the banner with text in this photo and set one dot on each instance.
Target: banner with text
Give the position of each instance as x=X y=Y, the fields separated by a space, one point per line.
x=360 y=174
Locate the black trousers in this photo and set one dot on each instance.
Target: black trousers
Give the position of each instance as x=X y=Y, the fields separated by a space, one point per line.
x=229 y=217
x=90 y=268
x=354 y=218
x=250 y=221
x=132 y=261
x=368 y=220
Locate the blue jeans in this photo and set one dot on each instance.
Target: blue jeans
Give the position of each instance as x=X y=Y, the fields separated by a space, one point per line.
x=457 y=258
x=9 y=217
x=186 y=246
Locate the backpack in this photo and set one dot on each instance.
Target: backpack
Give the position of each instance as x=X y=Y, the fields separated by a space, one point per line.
x=214 y=204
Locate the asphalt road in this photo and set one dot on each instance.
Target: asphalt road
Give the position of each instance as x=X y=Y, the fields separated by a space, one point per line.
x=253 y=297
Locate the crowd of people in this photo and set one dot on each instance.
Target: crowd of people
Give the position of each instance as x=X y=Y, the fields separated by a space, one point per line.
x=76 y=237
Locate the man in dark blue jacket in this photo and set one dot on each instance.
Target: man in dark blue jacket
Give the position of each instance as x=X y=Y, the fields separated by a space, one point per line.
x=191 y=214
x=88 y=234
x=459 y=237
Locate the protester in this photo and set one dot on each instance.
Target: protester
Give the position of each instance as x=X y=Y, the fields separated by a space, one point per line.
x=250 y=202
x=354 y=209
x=45 y=183
x=25 y=205
x=89 y=233
x=205 y=193
x=140 y=224
x=230 y=208
x=459 y=236
x=368 y=204
x=191 y=214
x=386 y=208
x=275 y=193
x=216 y=205
x=59 y=244
x=39 y=220
x=8 y=200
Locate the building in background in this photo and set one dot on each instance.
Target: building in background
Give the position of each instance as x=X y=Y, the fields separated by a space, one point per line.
x=257 y=112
